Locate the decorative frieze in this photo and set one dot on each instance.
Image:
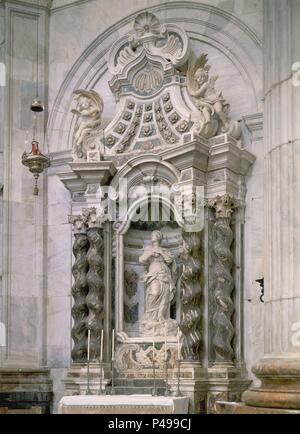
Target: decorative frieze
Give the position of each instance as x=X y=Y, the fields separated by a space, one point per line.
x=133 y=357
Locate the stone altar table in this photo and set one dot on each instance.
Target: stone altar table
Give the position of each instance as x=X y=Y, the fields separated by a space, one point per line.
x=123 y=404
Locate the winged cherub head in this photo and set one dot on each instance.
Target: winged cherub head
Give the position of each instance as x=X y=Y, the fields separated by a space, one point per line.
x=201 y=75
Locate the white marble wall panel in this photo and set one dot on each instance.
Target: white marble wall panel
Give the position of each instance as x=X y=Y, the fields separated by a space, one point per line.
x=254 y=246
x=58 y=274
x=24 y=238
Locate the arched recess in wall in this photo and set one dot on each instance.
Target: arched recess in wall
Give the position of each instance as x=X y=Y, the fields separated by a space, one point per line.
x=233 y=48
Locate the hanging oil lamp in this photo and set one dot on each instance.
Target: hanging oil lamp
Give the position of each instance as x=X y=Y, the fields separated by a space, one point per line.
x=35 y=160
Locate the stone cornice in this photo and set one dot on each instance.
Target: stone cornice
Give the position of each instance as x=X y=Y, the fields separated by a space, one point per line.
x=79 y=175
x=255 y=123
x=231 y=157
x=43 y=4
x=190 y=154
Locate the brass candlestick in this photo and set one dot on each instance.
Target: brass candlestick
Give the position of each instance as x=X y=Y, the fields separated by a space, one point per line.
x=154 y=390
x=178 y=391
x=100 y=392
x=88 y=390
x=167 y=389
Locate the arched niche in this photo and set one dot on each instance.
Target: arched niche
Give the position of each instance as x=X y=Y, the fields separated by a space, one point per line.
x=131 y=237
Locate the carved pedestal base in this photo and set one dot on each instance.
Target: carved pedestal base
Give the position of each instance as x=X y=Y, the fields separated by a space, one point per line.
x=193 y=383
x=76 y=382
x=135 y=359
x=280 y=384
x=225 y=383
x=156 y=328
x=240 y=408
x=26 y=389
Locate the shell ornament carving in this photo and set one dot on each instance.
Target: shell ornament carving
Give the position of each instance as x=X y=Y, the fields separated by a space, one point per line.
x=148 y=79
x=146 y=23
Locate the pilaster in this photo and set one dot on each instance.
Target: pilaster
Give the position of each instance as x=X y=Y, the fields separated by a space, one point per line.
x=279 y=369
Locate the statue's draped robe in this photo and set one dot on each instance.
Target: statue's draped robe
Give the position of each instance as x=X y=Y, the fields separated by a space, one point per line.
x=159 y=283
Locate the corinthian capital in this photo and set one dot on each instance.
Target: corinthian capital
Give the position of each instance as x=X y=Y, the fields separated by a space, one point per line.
x=94 y=217
x=78 y=223
x=223 y=205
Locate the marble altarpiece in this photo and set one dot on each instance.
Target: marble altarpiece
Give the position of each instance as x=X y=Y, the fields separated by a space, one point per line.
x=172 y=129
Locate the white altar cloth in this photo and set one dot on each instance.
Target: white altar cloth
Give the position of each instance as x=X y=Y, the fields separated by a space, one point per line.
x=123 y=404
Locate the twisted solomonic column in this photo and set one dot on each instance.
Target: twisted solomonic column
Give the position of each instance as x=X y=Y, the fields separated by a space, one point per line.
x=95 y=280
x=79 y=289
x=223 y=280
x=191 y=296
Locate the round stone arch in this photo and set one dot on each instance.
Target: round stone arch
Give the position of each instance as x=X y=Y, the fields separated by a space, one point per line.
x=149 y=165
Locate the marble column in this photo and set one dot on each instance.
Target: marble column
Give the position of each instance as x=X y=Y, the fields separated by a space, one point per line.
x=79 y=289
x=223 y=280
x=279 y=371
x=191 y=297
x=95 y=280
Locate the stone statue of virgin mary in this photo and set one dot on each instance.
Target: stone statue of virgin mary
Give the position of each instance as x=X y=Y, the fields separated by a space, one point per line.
x=160 y=288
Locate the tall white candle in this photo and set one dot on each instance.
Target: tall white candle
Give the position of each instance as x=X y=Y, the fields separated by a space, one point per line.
x=178 y=343
x=166 y=356
x=88 y=348
x=113 y=345
x=101 y=348
x=153 y=350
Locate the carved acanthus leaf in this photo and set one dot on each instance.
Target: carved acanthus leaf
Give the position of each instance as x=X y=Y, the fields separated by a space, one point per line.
x=223 y=205
x=78 y=223
x=94 y=217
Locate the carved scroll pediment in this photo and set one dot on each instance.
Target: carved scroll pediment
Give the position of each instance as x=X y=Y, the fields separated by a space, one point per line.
x=143 y=58
x=162 y=92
